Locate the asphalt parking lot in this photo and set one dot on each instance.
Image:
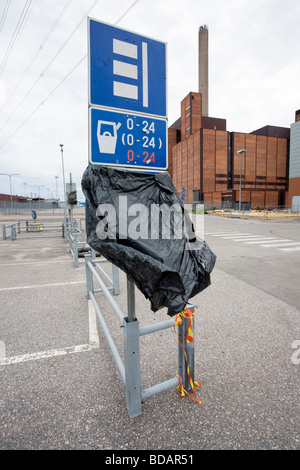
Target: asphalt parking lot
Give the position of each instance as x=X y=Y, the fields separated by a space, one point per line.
x=60 y=388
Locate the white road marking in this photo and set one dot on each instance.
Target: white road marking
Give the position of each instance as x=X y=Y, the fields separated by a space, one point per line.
x=93 y=344
x=36 y=263
x=56 y=284
x=295 y=248
x=282 y=243
x=246 y=238
x=2 y=351
x=265 y=242
x=259 y=240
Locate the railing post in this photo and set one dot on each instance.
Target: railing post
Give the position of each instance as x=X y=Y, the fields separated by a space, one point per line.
x=89 y=274
x=132 y=367
x=93 y=254
x=75 y=251
x=13 y=232
x=189 y=350
x=66 y=230
x=130 y=300
x=116 y=285
x=132 y=355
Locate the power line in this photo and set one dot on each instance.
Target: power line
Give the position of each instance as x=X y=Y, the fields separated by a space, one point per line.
x=49 y=64
x=3 y=18
x=43 y=102
x=40 y=48
x=16 y=33
x=62 y=81
x=127 y=11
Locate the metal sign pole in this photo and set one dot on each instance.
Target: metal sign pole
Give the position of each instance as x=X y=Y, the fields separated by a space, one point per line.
x=130 y=300
x=132 y=355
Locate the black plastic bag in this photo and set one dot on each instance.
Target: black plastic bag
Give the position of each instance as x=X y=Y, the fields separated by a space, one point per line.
x=138 y=222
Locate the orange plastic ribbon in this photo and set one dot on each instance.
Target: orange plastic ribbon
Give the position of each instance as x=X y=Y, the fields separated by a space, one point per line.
x=186 y=313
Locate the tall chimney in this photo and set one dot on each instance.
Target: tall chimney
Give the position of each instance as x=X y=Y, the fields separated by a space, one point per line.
x=203 y=67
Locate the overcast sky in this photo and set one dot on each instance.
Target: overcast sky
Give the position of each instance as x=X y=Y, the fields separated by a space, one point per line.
x=254 y=73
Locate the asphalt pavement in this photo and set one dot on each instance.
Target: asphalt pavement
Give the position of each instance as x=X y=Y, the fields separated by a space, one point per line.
x=60 y=388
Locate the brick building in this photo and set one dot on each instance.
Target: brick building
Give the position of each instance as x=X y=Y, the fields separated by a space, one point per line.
x=203 y=159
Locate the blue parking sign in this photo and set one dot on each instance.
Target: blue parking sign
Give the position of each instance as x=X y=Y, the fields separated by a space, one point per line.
x=126 y=70
x=118 y=138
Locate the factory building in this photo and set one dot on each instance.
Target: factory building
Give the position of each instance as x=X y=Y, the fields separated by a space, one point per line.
x=204 y=158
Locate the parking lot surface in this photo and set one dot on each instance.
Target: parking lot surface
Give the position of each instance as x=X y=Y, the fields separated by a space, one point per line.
x=60 y=388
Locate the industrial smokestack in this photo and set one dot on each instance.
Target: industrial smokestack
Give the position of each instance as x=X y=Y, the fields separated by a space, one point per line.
x=203 y=67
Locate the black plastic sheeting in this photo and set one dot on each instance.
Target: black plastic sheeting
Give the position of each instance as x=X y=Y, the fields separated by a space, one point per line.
x=158 y=250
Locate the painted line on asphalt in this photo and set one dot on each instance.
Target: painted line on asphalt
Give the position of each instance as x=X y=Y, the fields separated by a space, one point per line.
x=277 y=240
x=93 y=344
x=36 y=263
x=282 y=243
x=295 y=248
x=259 y=240
x=230 y=235
x=56 y=284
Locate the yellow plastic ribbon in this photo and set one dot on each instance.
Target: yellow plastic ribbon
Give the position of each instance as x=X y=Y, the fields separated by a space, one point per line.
x=186 y=313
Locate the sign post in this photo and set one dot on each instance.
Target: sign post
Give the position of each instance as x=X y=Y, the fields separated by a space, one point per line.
x=128 y=128
x=127 y=99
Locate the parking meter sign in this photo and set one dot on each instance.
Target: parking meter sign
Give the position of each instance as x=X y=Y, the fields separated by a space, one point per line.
x=128 y=140
x=126 y=70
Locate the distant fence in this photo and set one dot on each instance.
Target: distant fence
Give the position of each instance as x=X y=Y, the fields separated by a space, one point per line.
x=22 y=207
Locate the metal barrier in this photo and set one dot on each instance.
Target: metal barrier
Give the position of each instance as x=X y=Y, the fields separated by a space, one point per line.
x=27 y=226
x=130 y=369
x=76 y=245
x=13 y=231
x=70 y=225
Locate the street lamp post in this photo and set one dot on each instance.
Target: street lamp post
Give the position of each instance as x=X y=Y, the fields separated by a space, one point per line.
x=10 y=176
x=63 y=170
x=39 y=186
x=56 y=177
x=240 y=195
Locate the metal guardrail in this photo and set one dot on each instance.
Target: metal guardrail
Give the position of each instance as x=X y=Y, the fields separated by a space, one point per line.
x=13 y=231
x=130 y=369
x=76 y=245
x=19 y=227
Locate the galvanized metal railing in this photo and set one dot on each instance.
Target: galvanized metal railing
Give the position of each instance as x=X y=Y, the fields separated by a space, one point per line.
x=21 y=227
x=130 y=369
x=13 y=231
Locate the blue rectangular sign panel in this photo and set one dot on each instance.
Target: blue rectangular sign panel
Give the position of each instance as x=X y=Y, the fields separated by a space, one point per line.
x=126 y=139
x=126 y=70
